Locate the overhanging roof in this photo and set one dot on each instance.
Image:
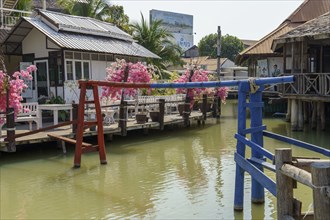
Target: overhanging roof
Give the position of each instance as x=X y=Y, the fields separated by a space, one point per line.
x=308 y=10
x=57 y=29
x=318 y=29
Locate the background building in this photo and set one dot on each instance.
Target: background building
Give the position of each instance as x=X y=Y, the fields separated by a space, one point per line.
x=180 y=25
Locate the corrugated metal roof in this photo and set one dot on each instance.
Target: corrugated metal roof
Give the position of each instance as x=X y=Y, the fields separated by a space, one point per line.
x=83 y=25
x=308 y=10
x=94 y=43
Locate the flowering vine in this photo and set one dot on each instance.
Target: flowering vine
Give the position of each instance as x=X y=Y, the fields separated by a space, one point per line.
x=196 y=74
x=15 y=85
x=137 y=73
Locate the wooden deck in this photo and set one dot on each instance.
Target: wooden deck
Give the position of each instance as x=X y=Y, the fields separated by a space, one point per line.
x=66 y=131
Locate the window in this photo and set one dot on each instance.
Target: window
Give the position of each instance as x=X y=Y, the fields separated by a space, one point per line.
x=78 y=70
x=77 y=56
x=86 y=70
x=69 y=70
x=69 y=55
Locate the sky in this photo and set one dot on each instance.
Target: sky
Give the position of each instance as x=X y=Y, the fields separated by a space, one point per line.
x=245 y=19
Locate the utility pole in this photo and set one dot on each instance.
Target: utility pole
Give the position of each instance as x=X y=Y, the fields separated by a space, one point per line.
x=219 y=52
x=44 y=6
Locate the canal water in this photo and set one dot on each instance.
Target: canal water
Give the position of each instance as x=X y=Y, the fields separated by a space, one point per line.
x=185 y=173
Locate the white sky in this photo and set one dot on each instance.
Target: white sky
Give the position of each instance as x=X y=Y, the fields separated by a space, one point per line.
x=245 y=19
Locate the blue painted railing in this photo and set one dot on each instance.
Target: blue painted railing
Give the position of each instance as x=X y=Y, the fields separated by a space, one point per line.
x=254 y=165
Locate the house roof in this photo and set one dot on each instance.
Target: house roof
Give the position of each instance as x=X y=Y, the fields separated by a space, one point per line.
x=210 y=63
x=248 y=43
x=318 y=28
x=76 y=33
x=308 y=10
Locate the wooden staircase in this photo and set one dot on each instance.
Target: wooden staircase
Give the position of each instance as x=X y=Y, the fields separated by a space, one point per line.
x=9 y=4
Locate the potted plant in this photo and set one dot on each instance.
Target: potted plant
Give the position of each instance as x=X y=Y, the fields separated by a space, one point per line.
x=195 y=74
x=11 y=88
x=121 y=71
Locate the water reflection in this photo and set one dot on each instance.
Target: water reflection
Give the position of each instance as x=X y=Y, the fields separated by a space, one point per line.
x=179 y=174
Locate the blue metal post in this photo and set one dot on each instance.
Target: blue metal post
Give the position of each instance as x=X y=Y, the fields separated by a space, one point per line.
x=240 y=148
x=256 y=105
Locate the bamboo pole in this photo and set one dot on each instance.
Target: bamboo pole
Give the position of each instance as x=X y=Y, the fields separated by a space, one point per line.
x=297 y=174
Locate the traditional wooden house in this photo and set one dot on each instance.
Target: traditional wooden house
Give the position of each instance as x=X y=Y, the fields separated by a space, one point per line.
x=306 y=55
x=67 y=48
x=260 y=57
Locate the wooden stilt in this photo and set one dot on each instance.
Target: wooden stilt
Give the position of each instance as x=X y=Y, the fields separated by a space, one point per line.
x=300 y=116
x=306 y=112
x=294 y=115
x=314 y=115
x=288 y=113
x=322 y=115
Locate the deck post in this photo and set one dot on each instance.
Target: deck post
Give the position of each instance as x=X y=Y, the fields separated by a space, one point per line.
x=204 y=104
x=216 y=108
x=10 y=119
x=186 y=112
x=256 y=105
x=74 y=117
x=321 y=190
x=240 y=147
x=284 y=184
x=161 y=113
x=123 y=118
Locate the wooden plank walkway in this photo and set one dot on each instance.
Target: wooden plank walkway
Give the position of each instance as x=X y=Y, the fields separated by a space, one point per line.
x=66 y=131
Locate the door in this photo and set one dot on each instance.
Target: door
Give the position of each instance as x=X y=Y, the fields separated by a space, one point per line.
x=41 y=78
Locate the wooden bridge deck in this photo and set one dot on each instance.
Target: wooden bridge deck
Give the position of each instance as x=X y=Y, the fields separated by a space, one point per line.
x=66 y=131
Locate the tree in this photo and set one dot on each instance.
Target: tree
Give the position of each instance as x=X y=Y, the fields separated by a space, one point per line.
x=230 y=46
x=117 y=16
x=88 y=8
x=159 y=41
x=24 y=5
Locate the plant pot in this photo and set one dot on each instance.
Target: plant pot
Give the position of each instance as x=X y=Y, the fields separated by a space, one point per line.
x=181 y=109
x=154 y=116
x=208 y=107
x=141 y=118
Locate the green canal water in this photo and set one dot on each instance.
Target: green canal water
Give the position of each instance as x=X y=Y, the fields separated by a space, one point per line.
x=185 y=173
